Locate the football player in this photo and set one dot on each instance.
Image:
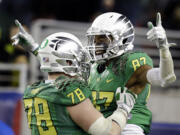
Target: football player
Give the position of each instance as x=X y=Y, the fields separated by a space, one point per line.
x=117 y=66
x=61 y=104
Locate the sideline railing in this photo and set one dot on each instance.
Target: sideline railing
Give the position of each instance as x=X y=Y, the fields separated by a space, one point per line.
x=13 y=77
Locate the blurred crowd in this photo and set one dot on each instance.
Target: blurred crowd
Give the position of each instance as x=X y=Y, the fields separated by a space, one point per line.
x=26 y=11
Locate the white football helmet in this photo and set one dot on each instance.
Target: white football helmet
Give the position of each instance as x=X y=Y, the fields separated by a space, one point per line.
x=63 y=52
x=117 y=29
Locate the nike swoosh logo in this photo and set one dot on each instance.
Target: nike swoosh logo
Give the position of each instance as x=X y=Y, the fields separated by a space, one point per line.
x=109 y=80
x=98 y=79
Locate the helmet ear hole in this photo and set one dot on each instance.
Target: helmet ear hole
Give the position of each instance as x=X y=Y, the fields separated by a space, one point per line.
x=69 y=62
x=124 y=40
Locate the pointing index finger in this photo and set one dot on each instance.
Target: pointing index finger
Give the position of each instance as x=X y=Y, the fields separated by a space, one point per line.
x=20 y=26
x=158 y=19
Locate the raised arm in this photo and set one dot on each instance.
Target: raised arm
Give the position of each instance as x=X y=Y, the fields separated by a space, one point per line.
x=24 y=39
x=165 y=73
x=159 y=76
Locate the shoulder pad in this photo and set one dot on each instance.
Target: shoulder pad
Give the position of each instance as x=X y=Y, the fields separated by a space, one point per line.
x=35 y=84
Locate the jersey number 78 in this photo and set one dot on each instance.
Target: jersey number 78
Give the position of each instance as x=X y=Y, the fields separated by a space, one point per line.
x=39 y=108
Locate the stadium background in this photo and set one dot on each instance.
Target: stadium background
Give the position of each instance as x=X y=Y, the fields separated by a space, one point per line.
x=43 y=17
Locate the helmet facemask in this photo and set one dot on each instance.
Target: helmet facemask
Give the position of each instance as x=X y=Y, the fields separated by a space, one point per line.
x=98 y=45
x=68 y=63
x=75 y=64
x=84 y=65
x=104 y=47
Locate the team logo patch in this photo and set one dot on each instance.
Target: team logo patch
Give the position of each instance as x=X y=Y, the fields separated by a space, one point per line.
x=44 y=44
x=45 y=59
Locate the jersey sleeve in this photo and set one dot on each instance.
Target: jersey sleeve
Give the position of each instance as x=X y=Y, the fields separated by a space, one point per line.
x=74 y=93
x=134 y=61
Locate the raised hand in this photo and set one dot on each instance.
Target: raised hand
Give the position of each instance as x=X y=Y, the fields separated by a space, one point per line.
x=24 y=39
x=157 y=34
x=125 y=99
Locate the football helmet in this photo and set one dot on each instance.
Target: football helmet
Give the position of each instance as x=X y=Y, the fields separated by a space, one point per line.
x=63 y=52
x=119 y=34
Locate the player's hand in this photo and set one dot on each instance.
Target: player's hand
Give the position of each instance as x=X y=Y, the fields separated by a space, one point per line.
x=157 y=34
x=24 y=39
x=125 y=99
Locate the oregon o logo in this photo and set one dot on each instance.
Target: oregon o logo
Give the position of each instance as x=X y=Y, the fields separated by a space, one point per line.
x=44 y=44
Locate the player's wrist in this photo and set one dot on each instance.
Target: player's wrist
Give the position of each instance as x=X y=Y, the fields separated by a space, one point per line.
x=125 y=108
x=120 y=117
x=163 y=45
x=126 y=113
x=35 y=52
x=35 y=46
x=101 y=126
x=164 y=52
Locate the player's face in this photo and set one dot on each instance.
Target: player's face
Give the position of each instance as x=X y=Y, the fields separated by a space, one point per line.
x=102 y=42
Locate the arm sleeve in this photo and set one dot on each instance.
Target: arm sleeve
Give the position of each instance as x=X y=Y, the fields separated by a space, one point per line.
x=165 y=73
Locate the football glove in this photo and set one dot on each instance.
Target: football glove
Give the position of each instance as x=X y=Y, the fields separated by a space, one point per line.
x=24 y=39
x=157 y=34
x=125 y=99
